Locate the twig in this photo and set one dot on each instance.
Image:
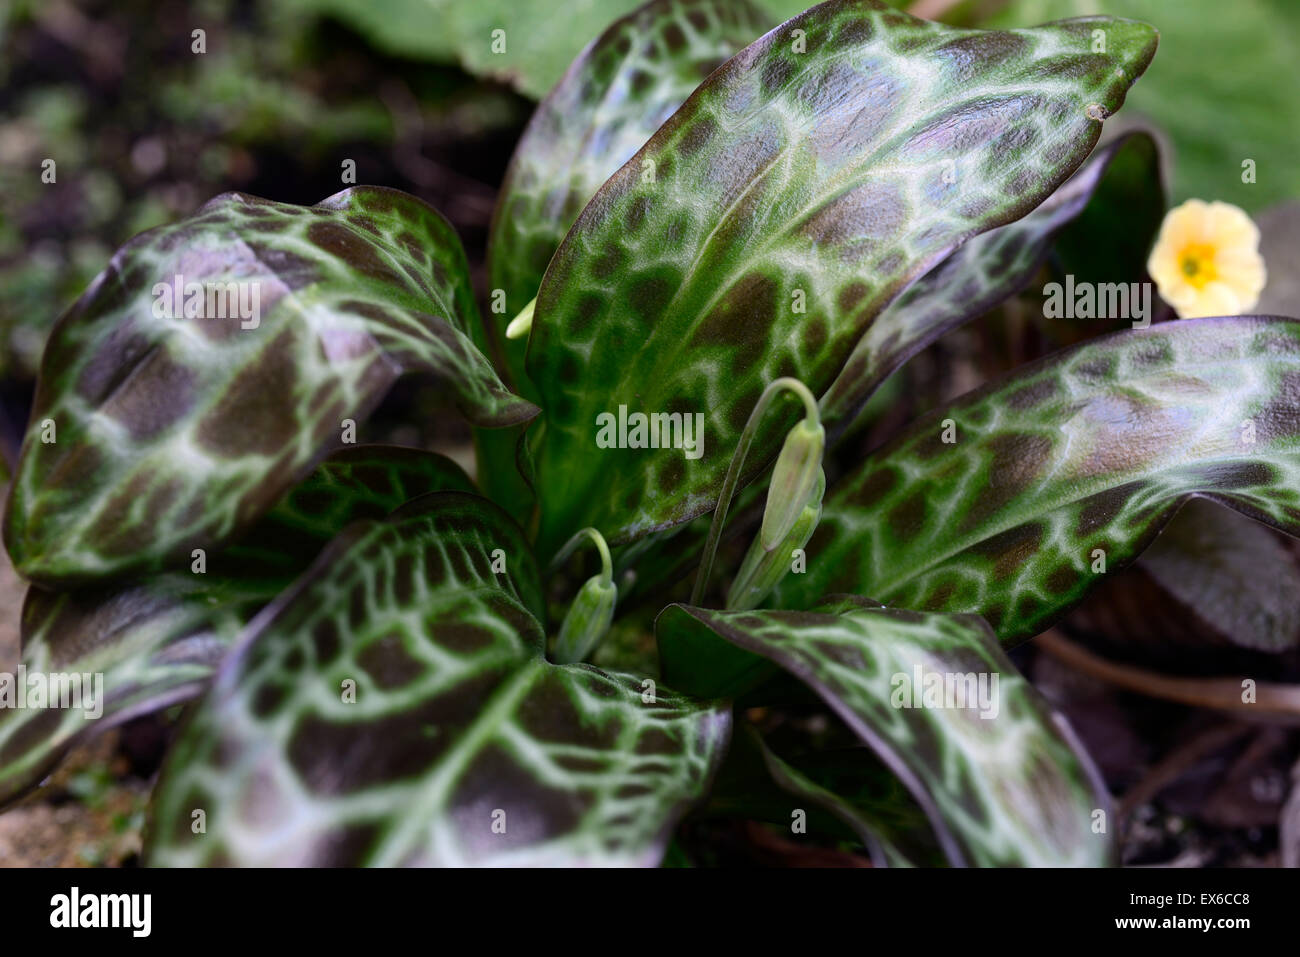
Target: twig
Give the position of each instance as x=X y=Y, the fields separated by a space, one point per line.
x=1275 y=703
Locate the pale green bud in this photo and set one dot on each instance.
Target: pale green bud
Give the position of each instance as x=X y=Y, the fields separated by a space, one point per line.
x=763 y=569
x=522 y=324
x=793 y=478
x=587 y=621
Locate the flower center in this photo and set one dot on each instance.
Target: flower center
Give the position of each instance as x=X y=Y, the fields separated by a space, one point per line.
x=1197 y=264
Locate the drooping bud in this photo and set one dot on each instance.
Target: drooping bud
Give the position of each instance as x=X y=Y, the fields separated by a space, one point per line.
x=522 y=324
x=793 y=478
x=587 y=620
x=763 y=569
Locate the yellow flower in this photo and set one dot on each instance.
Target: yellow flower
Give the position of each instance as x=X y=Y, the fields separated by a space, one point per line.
x=1206 y=260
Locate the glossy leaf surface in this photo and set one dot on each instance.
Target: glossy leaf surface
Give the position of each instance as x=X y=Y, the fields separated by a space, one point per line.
x=774 y=215
x=978 y=276
x=354 y=483
x=999 y=778
x=1065 y=471
x=133 y=649
x=157 y=642
x=610 y=101
x=459 y=744
x=1257 y=80
x=152 y=436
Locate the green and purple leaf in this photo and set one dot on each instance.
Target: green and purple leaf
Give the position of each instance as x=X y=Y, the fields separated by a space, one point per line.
x=799 y=190
x=152 y=436
x=461 y=743
x=985 y=271
x=999 y=776
x=355 y=483
x=157 y=642
x=1065 y=471
x=152 y=645
x=979 y=275
x=614 y=96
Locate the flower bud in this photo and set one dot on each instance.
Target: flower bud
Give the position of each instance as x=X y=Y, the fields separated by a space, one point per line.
x=587 y=621
x=763 y=569
x=521 y=325
x=793 y=478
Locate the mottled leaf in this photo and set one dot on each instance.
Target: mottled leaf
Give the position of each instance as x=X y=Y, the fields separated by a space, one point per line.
x=1065 y=471
x=979 y=275
x=822 y=181
x=132 y=650
x=175 y=434
x=359 y=482
x=975 y=278
x=1210 y=113
x=997 y=773
x=613 y=97
x=461 y=745
x=157 y=642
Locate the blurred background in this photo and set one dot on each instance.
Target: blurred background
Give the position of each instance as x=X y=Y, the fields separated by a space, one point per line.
x=143 y=129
